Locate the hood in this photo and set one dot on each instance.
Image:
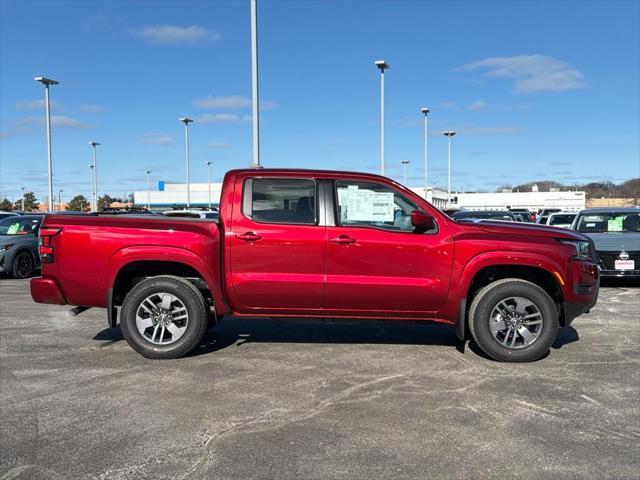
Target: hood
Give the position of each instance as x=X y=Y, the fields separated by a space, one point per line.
x=615 y=242
x=529 y=229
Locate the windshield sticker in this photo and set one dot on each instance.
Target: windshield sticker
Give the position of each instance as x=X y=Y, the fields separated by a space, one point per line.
x=614 y=224
x=368 y=206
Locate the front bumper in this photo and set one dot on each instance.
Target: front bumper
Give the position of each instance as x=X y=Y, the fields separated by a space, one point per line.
x=46 y=290
x=619 y=273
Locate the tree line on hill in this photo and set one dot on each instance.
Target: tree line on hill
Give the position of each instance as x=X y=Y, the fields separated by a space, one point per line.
x=79 y=203
x=628 y=189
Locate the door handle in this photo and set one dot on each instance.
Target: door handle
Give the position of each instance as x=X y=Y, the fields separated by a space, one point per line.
x=343 y=240
x=249 y=237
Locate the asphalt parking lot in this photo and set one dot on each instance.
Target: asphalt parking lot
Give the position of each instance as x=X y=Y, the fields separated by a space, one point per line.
x=272 y=399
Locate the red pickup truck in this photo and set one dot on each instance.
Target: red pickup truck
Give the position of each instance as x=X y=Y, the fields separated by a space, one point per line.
x=319 y=244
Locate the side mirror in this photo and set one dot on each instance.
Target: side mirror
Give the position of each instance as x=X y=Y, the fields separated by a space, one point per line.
x=422 y=221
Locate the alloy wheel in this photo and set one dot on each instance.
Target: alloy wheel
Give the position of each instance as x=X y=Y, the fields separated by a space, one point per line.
x=516 y=322
x=162 y=318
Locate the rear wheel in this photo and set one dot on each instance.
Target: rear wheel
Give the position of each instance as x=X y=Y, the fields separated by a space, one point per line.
x=513 y=320
x=164 y=317
x=22 y=265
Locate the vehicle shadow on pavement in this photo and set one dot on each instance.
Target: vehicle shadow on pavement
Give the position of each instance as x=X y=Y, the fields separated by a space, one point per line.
x=238 y=331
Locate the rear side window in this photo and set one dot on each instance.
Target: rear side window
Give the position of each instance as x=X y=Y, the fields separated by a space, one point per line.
x=279 y=200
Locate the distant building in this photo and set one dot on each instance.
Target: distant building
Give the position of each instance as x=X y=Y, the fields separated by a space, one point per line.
x=570 y=201
x=170 y=195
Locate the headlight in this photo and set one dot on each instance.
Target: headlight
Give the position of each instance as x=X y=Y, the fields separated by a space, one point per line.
x=582 y=249
x=5 y=248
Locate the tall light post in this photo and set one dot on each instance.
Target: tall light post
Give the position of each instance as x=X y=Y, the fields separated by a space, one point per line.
x=404 y=167
x=94 y=172
x=209 y=182
x=22 y=197
x=93 y=191
x=148 y=172
x=60 y=199
x=382 y=66
x=425 y=112
x=254 y=84
x=47 y=105
x=449 y=134
x=186 y=122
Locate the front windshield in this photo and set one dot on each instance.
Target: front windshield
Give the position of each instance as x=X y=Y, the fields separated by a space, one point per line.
x=609 y=223
x=18 y=226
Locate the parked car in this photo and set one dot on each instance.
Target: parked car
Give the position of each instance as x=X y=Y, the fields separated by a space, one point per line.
x=477 y=215
x=19 y=245
x=210 y=214
x=616 y=235
x=4 y=214
x=304 y=243
x=527 y=216
x=561 y=219
x=543 y=214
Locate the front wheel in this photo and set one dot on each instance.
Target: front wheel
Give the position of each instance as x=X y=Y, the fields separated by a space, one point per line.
x=164 y=317
x=513 y=320
x=22 y=265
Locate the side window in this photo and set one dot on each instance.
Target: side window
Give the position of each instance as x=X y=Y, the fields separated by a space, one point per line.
x=373 y=205
x=278 y=200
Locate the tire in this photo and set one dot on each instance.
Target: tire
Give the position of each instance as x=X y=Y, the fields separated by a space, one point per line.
x=173 y=335
x=23 y=264
x=513 y=320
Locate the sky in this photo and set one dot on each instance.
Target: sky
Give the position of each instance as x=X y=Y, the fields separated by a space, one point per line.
x=534 y=90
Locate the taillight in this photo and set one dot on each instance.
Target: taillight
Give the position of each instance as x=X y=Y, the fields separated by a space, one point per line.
x=45 y=246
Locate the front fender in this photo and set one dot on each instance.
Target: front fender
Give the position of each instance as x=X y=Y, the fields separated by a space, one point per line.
x=464 y=273
x=207 y=267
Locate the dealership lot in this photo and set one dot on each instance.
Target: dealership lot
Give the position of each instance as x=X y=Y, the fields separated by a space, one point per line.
x=274 y=399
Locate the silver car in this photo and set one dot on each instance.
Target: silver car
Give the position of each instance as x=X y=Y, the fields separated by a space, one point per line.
x=616 y=235
x=19 y=245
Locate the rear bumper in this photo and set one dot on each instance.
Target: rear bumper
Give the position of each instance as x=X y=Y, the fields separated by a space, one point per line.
x=46 y=290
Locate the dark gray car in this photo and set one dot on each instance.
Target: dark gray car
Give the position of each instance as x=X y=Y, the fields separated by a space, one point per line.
x=19 y=245
x=616 y=235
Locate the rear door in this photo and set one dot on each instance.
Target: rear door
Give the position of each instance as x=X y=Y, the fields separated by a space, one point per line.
x=376 y=262
x=277 y=245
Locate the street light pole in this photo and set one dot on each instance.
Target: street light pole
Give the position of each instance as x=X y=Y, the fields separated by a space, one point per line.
x=94 y=172
x=404 y=166
x=382 y=66
x=425 y=112
x=93 y=191
x=254 y=84
x=22 y=196
x=449 y=134
x=60 y=199
x=148 y=190
x=209 y=182
x=47 y=105
x=186 y=122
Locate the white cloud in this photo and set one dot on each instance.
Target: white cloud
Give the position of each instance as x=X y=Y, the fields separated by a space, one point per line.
x=533 y=73
x=57 y=121
x=167 y=34
x=89 y=108
x=219 y=118
x=487 y=130
x=219 y=145
x=230 y=101
x=477 y=106
x=152 y=138
x=36 y=105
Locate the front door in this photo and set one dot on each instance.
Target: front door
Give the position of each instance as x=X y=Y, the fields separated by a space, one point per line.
x=277 y=246
x=376 y=262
